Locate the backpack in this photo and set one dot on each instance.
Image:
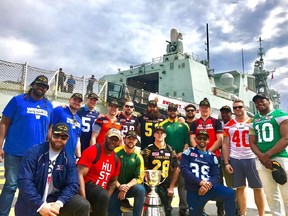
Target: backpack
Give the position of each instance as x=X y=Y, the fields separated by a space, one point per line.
x=99 y=154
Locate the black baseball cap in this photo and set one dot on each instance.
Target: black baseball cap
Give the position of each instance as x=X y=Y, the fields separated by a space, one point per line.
x=260 y=95
x=41 y=80
x=172 y=107
x=152 y=102
x=159 y=128
x=113 y=103
x=205 y=102
x=202 y=132
x=190 y=105
x=77 y=95
x=92 y=95
x=60 y=128
x=278 y=173
x=131 y=133
x=226 y=108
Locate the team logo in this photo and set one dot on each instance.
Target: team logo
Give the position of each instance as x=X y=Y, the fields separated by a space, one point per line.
x=193 y=154
x=155 y=153
x=59 y=167
x=167 y=154
x=257 y=120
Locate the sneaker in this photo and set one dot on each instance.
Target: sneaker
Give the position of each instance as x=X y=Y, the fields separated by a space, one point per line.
x=125 y=206
x=182 y=212
x=205 y=214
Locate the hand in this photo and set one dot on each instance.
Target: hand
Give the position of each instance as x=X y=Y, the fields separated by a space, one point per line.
x=48 y=210
x=1 y=155
x=202 y=191
x=170 y=192
x=124 y=187
x=181 y=119
x=179 y=155
x=229 y=168
x=206 y=184
x=121 y=195
x=266 y=161
x=56 y=206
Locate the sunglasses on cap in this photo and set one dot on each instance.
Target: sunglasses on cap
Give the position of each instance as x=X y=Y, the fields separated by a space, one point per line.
x=61 y=136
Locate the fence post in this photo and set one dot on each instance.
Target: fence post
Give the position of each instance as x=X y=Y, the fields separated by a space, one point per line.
x=25 y=76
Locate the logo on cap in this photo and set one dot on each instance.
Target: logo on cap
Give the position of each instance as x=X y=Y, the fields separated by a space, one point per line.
x=77 y=95
x=61 y=128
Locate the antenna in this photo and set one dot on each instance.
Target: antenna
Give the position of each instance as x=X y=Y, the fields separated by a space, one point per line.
x=243 y=61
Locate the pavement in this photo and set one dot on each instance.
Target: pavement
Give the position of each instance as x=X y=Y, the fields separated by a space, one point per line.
x=210 y=207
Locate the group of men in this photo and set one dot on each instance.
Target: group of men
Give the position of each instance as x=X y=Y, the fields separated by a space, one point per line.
x=43 y=144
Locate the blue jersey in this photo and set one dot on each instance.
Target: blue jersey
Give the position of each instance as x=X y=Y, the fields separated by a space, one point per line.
x=196 y=166
x=29 y=123
x=88 y=117
x=61 y=114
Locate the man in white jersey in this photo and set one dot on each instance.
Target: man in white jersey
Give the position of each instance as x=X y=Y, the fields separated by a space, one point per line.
x=268 y=138
x=239 y=160
x=48 y=180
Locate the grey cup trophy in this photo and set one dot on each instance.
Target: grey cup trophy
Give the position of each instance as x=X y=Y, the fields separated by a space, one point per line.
x=153 y=205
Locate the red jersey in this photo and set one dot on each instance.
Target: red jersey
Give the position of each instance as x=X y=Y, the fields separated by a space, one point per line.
x=100 y=172
x=212 y=126
x=105 y=124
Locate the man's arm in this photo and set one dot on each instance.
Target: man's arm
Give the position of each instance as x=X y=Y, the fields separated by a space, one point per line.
x=173 y=181
x=226 y=154
x=93 y=139
x=49 y=134
x=217 y=144
x=111 y=185
x=82 y=172
x=78 y=148
x=4 y=126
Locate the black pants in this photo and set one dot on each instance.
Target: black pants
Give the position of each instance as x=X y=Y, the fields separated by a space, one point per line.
x=98 y=198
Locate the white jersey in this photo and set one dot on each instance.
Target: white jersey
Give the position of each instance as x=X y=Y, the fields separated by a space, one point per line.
x=238 y=132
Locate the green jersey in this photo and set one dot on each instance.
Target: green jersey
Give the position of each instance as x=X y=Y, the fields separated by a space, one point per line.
x=132 y=166
x=177 y=134
x=267 y=129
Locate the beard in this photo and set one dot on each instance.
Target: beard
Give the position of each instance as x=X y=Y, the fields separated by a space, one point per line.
x=153 y=114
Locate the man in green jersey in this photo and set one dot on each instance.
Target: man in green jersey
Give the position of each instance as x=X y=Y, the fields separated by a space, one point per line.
x=268 y=138
x=129 y=178
x=177 y=136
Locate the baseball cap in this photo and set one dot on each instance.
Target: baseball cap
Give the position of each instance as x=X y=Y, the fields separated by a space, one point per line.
x=225 y=108
x=159 y=128
x=152 y=102
x=113 y=103
x=41 y=80
x=92 y=95
x=278 y=173
x=205 y=102
x=172 y=107
x=190 y=105
x=60 y=128
x=131 y=133
x=202 y=132
x=77 y=95
x=114 y=132
x=260 y=95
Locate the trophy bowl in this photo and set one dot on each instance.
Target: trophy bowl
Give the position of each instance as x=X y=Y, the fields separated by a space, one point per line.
x=152 y=177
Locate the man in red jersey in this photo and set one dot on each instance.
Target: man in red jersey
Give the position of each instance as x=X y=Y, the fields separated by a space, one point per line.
x=98 y=172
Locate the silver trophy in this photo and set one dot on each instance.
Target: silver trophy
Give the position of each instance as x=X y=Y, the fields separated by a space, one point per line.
x=153 y=205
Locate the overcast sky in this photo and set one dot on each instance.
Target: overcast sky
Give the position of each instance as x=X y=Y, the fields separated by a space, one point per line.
x=99 y=36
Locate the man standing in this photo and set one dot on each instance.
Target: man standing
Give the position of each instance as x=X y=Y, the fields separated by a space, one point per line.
x=214 y=129
x=200 y=170
x=69 y=115
x=24 y=123
x=148 y=121
x=177 y=136
x=130 y=177
x=71 y=83
x=102 y=124
x=268 y=138
x=161 y=156
x=88 y=114
x=98 y=169
x=48 y=179
x=239 y=160
x=91 y=82
x=190 y=110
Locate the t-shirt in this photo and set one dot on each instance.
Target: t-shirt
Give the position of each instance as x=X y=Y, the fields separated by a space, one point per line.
x=61 y=114
x=238 y=133
x=104 y=124
x=130 y=123
x=177 y=134
x=267 y=128
x=29 y=123
x=147 y=127
x=88 y=117
x=103 y=170
x=132 y=166
x=212 y=126
x=164 y=159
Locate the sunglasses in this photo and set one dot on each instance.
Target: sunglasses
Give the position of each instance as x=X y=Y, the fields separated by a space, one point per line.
x=237 y=107
x=62 y=137
x=202 y=138
x=127 y=106
x=190 y=110
x=41 y=85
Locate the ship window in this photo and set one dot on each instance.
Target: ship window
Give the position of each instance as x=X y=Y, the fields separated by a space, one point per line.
x=174 y=94
x=179 y=66
x=183 y=65
x=251 y=84
x=167 y=94
x=171 y=65
x=183 y=94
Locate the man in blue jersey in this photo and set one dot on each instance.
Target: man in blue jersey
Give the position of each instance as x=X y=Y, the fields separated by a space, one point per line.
x=200 y=169
x=24 y=123
x=69 y=115
x=88 y=114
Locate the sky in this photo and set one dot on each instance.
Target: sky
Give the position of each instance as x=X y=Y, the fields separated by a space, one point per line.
x=99 y=36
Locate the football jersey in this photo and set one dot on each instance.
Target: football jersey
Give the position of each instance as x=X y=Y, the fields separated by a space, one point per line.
x=267 y=128
x=147 y=127
x=164 y=159
x=103 y=170
x=105 y=124
x=238 y=133
x=87 y=117
x=130 y=123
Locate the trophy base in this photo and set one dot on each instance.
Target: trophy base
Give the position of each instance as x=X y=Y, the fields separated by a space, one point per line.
x=153 y=206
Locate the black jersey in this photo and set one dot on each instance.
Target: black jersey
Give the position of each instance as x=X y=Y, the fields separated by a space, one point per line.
x=128 y=124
